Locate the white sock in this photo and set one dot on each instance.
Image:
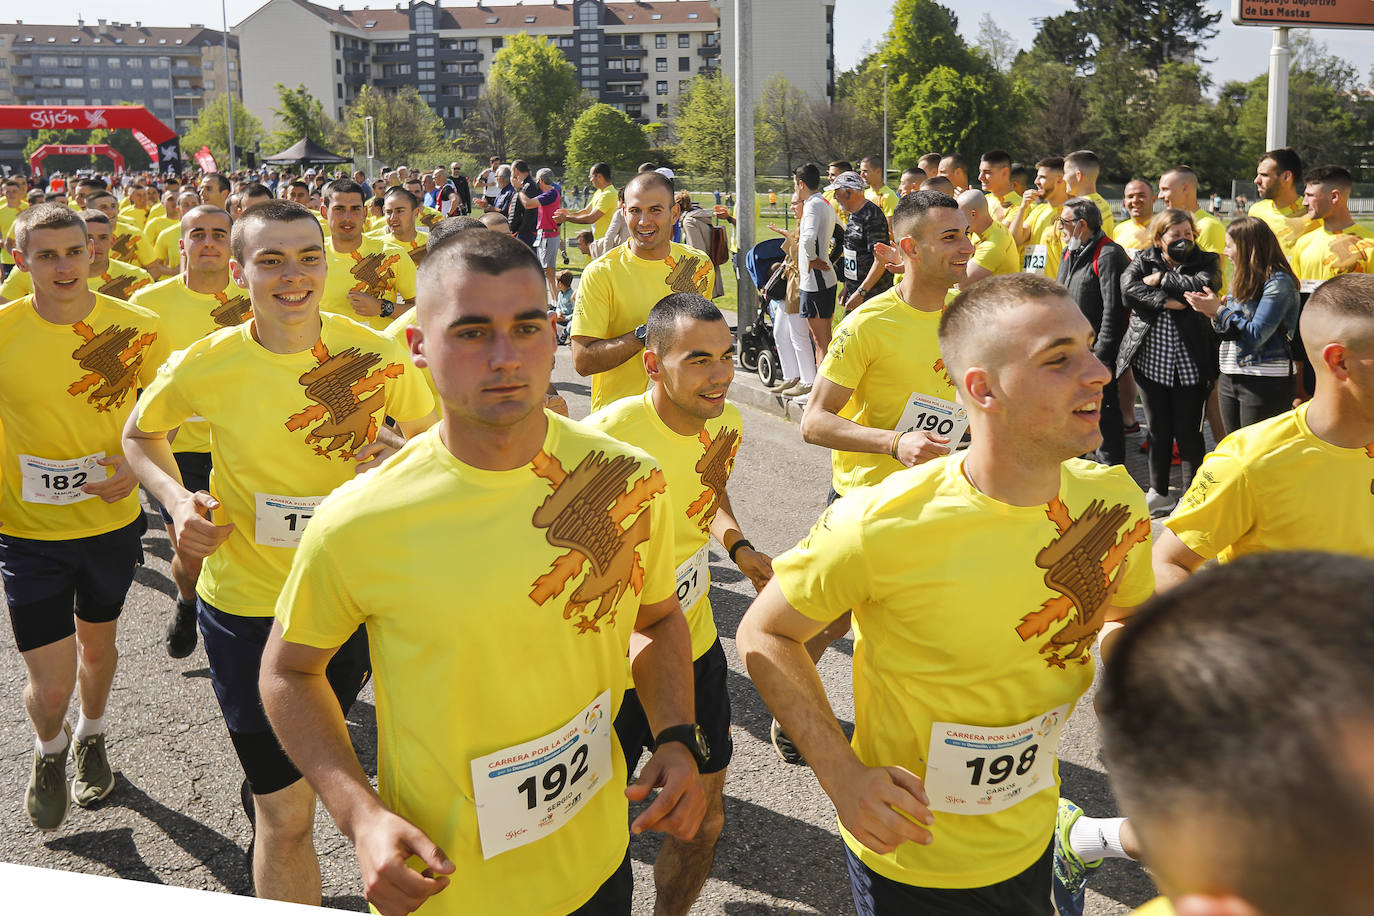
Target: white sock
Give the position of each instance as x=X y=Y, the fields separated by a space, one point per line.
x=55 y=746
x=87 y=727
x=1096 y=838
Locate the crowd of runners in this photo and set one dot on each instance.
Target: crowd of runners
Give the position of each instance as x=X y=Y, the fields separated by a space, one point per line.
x=337 y=394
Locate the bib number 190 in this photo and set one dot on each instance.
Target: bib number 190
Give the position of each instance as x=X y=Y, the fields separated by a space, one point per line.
x=933 y=423
x=555 y=779
x=1001 y=768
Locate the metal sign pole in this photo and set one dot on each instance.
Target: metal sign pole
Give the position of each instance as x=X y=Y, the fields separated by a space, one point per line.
x=746 y=308
x=1276 y=135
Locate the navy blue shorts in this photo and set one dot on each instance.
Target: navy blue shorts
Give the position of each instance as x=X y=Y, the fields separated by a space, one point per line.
x=713 y=715
x=820 y=304
x=195 y=475
x=614 y=897
x=1026 y=894
x=49 y=584
x=234 y=646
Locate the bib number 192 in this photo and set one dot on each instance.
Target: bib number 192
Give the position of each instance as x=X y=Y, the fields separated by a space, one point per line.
x=1001 y=768
x=555 y=779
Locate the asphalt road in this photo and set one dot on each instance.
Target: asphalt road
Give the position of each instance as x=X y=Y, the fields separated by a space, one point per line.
x=174 y=817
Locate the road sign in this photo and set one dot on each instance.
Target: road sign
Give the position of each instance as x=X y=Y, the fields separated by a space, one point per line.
x=1304 y=14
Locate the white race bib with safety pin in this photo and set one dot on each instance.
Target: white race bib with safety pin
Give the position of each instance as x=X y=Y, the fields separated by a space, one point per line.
x=281 y=520
x=973 y=769
x=851 y=264
x=1035 y=258
x=694 y=578
x=58 y=481
x=525 y=792
x=1308 y=287
x=930 y=414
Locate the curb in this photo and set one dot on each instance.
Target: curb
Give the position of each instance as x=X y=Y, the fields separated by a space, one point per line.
x=748 y=390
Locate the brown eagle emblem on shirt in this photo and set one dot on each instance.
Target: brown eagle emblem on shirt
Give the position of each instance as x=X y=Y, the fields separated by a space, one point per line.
x=347 y=419
x=231 y=311
x=123 y=247
x=373 y=273
x=1082 y=564
x=714 y=466
x=688 y=274
x=120 y=287
x=417 y=254
x=428 y=218
x=111 y=359
x=587 y=513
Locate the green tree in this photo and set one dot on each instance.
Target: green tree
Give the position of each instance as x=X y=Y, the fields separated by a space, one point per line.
x=1158 y=31
x=301 y=116
x=705 y=127
x=211 y=128
x=497 y=127
x=544 y=84
x=604 y=134
x=781 y=119
x=407 y=132
x=1050 y=95
x=948 y=111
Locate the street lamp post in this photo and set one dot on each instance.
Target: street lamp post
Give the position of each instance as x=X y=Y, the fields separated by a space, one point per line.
x=228 y=86
x=171 y=94
x=884 y=123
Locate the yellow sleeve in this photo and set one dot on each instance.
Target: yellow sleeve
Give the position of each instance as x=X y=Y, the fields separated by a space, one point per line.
x=985 y=255
x=1218 y=508
x=845 y=362
x=17 y=285
x=1138 y=578
x=592 y=309
x=164 y=404
x=405 y=276
x=827 y=573
x=889 y=203
x=314 y=607
x=660 y=576
x=409 y=397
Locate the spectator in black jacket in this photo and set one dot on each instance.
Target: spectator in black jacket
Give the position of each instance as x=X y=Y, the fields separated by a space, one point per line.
x=1171 y=347
x=524 y=209
x=1091 y=271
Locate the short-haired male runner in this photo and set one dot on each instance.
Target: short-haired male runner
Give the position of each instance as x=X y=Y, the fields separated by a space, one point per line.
x=979 y=584
x=1034 y=226
x=685 y=424
x=1338 y=245
x=1178 y=189
x=370 y=280
x=600 y=208
x=883 y=398
x=399 y=209
x=1278 y=179
x=1237 y=716
x=70 y=521
x=1133 y=233
x=294 y=400
x=199 y=300
x=619 y=288
x=1081 y=168
x=994 y=174
x=560 y=540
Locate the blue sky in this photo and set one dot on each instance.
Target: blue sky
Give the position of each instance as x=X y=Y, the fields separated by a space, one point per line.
x=1238 y=52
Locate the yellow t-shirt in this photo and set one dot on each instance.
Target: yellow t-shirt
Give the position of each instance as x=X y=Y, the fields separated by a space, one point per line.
x=377 y=268
x=124 y=241
x=151 y=230
x=1108 y=217
x=995 y=251
x=570 y=537
x=616 y=293
x=1277 y=486
x=1003 y=208
x=185 y=316
x=886 y=199
x=416 y=249
x=884 y=352
x=606 y=200
x=167 y=248
x=282 y=427
x=65 y=392
x=1211 y=234
x=1132 y=236
x=397 y=332
x=938 y=639
x=133 y=215
x=1289 y=224
x=697 y=469
x=1045 y=249
x=1321 y=254
x=118 y=281
x=7 y=217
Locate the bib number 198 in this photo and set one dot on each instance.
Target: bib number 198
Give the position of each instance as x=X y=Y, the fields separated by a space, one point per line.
x=1002 y=767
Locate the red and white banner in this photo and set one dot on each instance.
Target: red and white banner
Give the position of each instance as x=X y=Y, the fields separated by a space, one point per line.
x=205 y=159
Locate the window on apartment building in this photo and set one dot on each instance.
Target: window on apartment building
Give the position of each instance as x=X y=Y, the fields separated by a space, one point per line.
x=469 y=44
x=684 y=41
x=662 y=110
x=95 y=82
x=45 y=61
x=338 y=89
x=157 y=63
x=586 y=16
x=117 y=83
x=565 y=41
x=591 y=71
x=615 y=64
x=497 y=44
x=470 y=68
x=72 y=62
x=468 y=92
x=338 y=66
x=682 y=85
x=135 y=83
x=233 y=66
x=660 y=41
x=591 y=84
x=424 y=18
x=633 y=43
x=448 y=44
x=134 y=63
x=160 y=83
x=684 y=64
x=661 y=87
x=73 y=82
x=661 y=65
x=338 y=43
x=633 y=111
x=209 y=85
x=450 y=68
x=632 y=65
x=424 y=51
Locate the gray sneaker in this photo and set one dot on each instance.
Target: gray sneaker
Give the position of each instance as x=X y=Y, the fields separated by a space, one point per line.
x=94 y=778
x=46 y=799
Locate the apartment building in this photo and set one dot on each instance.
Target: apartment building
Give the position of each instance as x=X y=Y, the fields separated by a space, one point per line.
x=795 y=38
x=637 y=56
x=172 y=72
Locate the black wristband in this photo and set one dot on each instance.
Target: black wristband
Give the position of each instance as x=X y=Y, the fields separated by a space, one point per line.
x=734 y=549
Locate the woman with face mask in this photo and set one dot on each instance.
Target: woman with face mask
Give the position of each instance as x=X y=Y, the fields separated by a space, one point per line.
x=1171 y=347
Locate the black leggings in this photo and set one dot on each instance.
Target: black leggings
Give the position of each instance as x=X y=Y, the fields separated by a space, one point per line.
x=1175 y=415
x=1247 y=399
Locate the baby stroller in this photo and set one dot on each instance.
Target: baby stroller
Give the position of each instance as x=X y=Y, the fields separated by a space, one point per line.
x=758 y=351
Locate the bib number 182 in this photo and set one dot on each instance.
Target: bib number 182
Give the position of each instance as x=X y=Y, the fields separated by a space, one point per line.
x=555 y=779
x=64 y=482
x=1001 y=768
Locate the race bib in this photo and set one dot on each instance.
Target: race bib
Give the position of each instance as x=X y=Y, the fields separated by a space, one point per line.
x=930 y=414
x=526 y=792
x=1034 y=260
x=851 y=264
x=977 y=770
x=693 y=579
x=281 y=520
x=58 y=481
x=1308 y=287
